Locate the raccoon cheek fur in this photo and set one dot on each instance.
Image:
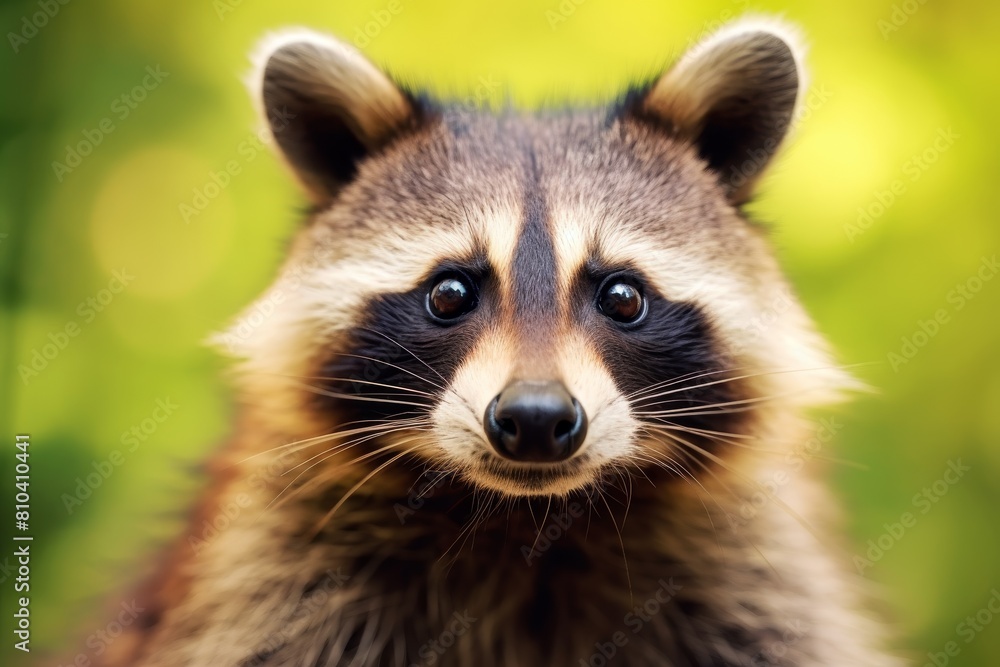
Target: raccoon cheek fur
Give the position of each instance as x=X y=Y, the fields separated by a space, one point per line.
x=524 y=391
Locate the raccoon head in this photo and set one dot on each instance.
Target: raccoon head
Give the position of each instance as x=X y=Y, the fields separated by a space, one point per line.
x=531 y=301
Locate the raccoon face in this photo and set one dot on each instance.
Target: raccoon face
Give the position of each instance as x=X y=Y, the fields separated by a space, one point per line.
x=532 y=302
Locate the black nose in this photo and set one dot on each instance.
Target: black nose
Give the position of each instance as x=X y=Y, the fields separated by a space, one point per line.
x=535 y=422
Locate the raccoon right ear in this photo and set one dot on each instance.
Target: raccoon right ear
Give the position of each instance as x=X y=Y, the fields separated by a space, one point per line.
x=733 y=97
x=327 y=107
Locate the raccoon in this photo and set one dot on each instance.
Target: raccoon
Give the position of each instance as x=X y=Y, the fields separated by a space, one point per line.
x=532 y=391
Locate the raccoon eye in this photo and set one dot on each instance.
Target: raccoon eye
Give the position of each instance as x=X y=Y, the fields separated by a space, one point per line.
x=621 y=300
x=451 y=297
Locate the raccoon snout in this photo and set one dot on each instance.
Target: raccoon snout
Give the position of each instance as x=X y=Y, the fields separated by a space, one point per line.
x=535 y=422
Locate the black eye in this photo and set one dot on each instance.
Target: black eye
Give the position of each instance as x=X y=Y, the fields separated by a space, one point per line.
x=621 y=300
x=452 y=296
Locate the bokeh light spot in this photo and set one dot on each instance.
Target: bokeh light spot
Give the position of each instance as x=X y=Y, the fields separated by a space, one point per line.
x=161 y=216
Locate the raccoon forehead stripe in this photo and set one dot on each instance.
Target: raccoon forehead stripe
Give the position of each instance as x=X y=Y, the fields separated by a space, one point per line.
x=534 y=264
x=532 y=298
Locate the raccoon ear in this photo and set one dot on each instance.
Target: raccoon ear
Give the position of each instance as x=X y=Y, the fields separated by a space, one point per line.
x=326 y=106
x=733 y=96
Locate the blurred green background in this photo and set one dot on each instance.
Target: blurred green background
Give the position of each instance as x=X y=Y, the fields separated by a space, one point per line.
x=884 y=208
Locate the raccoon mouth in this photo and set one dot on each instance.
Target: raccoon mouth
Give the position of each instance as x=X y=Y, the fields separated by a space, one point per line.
x=522 y=479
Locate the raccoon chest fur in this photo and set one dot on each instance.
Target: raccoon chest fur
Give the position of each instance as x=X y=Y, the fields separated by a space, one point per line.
x=436 y=576
x=474 y=585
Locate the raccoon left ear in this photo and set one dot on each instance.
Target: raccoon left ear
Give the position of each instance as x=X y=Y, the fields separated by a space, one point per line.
x=327 y=107
x=733 y=96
